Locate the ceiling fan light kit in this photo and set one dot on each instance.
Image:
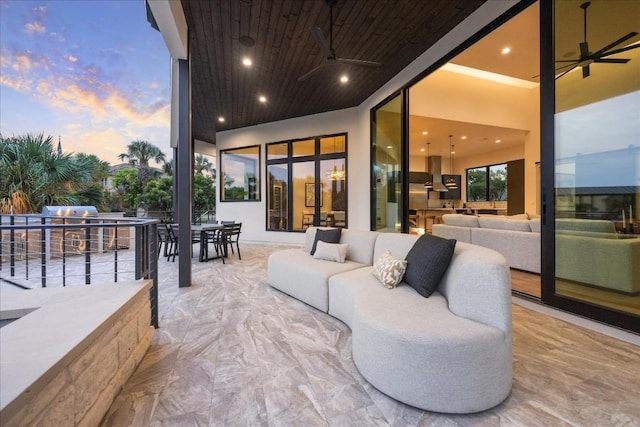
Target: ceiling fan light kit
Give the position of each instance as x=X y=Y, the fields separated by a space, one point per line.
x=329 y=52
x=601 y=56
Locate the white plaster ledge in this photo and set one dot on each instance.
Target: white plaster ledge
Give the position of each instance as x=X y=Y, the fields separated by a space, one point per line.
x=58 y=324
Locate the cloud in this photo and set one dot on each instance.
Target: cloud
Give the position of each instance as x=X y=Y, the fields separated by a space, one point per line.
x=35 y=28
x=71 y=58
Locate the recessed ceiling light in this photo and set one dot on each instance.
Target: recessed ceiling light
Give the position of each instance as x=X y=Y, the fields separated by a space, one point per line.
x=221 y=119
x=262 y=99
x=506 y=50
x=498 y=141
x=422 y=149
x=389 y=146
x=425 y=133
x=246 y=61
x=463 y=137
x=344 y=78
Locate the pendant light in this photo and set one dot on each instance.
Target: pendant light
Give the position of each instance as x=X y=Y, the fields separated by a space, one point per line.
x=451 y=181
x=429 y=184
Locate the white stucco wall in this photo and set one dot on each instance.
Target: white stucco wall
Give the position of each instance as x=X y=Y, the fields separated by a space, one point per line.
x=354 y=121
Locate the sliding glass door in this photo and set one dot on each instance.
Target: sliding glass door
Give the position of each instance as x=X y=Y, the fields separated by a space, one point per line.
x=596 y=180
x=387 y=194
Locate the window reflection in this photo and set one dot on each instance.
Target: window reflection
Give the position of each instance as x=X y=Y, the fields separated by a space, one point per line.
x=597 y=165
x=240 y=174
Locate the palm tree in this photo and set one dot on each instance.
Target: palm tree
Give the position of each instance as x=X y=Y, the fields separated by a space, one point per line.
x=202 y=164
x=33 y=174
x=139 y=153
x=167 y=168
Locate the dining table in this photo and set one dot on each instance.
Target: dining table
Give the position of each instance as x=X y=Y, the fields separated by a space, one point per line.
x=204 y=243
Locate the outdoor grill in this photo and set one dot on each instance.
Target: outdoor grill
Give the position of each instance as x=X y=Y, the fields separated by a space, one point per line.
x=64 y=211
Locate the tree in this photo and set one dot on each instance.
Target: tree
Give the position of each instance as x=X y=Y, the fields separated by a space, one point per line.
x=158 y=195
x=477 y=184
x=127 y=180
x=204 y=192
x=139 y=153
x=33 y=174
x=90 y=192
x=201 y=164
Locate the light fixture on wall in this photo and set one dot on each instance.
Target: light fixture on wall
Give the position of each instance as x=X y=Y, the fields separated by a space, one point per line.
x=429 y=184
x=451 y=181
x=335 y=174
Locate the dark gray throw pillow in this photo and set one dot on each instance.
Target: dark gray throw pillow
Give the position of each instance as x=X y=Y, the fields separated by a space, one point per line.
x=331 y=235
x=427 y=261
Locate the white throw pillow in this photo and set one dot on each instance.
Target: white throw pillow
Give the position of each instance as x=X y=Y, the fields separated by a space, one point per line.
x=389 y=270
x=331 y=251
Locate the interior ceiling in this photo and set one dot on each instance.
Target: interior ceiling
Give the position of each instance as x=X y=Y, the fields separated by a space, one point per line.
x=391 y=32
x=522 y=34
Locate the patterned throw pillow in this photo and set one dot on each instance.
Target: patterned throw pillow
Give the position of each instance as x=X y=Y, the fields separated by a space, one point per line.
x=389 y=269
x=335 y=252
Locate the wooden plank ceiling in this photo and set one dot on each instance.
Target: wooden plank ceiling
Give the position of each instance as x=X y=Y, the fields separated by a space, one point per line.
x=391 y=32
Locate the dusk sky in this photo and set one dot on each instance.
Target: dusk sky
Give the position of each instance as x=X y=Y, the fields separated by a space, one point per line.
x=92 y=72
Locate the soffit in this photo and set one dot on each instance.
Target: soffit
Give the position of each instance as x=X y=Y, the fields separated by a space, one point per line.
x=392 y=32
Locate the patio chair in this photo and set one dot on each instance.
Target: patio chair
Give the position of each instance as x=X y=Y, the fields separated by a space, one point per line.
x=163 y=239
x=232 y=235
x=174 y=235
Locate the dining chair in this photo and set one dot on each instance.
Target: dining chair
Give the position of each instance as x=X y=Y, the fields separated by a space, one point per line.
x=232 y=235
x=174 y=236
x=163 y=239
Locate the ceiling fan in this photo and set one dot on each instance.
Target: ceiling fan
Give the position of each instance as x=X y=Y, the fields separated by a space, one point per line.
x=327 y=48
x=587 y=58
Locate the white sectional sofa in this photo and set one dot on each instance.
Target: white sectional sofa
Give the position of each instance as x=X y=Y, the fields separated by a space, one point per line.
x=451 y=352
x=517 y=239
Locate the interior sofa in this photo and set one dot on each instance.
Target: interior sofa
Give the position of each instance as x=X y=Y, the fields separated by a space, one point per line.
x=517 y=238
x=450 y=352
x=587 y=251
x=592 y=252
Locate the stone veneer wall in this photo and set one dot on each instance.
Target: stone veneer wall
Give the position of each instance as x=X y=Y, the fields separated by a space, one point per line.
x=82 y=392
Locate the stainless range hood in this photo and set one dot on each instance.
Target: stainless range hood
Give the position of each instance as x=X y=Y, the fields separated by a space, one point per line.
x=434 y=166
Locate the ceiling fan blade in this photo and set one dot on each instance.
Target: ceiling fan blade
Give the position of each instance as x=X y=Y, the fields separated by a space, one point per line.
x=311 y=73
x=568 y=65
x=585 y=72
x=568 y=60
x=612 y=60
x=568 y=71
x=359 y=62
x=326 y=49
x=615 y=43
x=622 y=49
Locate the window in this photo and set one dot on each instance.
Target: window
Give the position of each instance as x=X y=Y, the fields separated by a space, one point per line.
x=487 y=183
x=306 y=183
x=240 y=174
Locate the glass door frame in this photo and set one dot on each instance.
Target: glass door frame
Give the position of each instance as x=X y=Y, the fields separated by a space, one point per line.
x=547 y=173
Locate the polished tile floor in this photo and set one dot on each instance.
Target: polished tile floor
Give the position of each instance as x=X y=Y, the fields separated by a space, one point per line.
x=233 y=351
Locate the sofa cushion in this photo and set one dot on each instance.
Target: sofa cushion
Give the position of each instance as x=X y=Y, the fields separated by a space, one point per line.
x=389 y=270
x=361 y=244
x=427 y=261
x=535 y=224
x=335 y=252
x=593 y=225
x=461 y=220
x=331 y=235
x=504 y=223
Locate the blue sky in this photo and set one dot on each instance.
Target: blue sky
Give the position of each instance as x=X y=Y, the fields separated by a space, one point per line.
x=92 y=72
